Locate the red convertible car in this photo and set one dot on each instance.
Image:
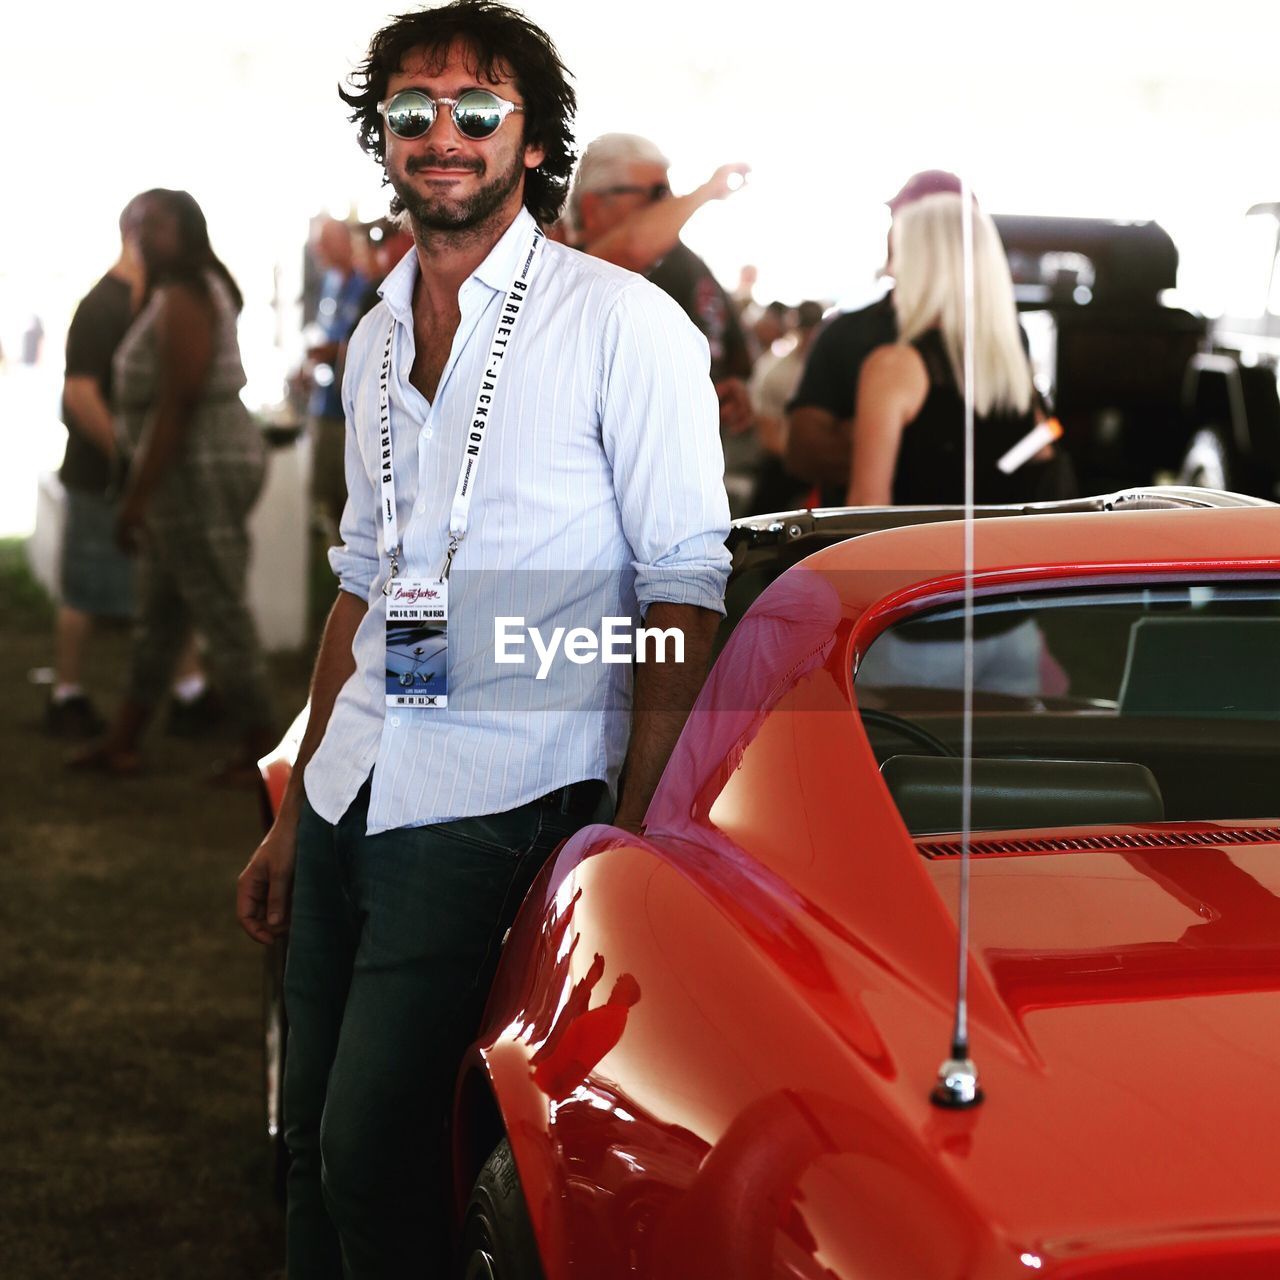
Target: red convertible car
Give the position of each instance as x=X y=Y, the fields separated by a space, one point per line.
x=710 y=1050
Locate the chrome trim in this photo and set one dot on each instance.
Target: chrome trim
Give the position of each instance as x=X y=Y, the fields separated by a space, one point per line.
x=1158 y=495
x=480 y=1266
x=957 y=1085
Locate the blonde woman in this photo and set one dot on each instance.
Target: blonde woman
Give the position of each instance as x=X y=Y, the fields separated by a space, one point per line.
x=908 y=429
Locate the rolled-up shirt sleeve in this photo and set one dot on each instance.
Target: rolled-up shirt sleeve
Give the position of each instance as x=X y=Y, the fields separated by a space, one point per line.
x=661 y=433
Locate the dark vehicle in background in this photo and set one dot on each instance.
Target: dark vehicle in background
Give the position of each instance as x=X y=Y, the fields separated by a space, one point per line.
x=1114 y=355
x=1231 y=388
x=1147 y=391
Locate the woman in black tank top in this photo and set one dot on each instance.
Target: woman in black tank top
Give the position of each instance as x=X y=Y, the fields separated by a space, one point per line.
x=908 y=433
x=930 y=464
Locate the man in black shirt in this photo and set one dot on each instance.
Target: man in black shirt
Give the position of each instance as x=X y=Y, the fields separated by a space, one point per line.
x=96 y=576
x=820 y=414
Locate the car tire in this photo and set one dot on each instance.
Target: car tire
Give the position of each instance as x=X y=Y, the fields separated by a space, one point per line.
x=497 y=1236
x=1209 y=462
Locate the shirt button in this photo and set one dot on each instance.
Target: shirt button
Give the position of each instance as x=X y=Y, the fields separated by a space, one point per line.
x=427 y=433
x=421 y=507
x=395 y=722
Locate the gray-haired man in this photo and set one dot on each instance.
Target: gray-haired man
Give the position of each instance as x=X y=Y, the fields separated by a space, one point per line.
x=623 y=210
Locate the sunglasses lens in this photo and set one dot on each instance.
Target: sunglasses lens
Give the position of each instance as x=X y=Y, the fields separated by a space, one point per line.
x=478 y=114
x=409 y=115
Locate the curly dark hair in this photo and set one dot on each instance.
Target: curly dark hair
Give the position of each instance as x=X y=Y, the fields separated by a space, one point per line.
x=503 y=42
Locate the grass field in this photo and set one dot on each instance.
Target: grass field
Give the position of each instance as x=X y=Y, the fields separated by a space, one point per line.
x=131 y=1140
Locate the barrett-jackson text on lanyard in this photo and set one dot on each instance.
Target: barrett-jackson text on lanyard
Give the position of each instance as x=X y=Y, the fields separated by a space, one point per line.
x=504 y=334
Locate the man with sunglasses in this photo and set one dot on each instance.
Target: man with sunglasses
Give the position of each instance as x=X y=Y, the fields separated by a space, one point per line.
x=530 y=431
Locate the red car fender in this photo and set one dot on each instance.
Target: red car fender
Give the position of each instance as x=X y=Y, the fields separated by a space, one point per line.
x=617 y=1187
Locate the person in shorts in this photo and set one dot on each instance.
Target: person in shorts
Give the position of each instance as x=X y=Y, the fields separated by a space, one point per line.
x=96 y=577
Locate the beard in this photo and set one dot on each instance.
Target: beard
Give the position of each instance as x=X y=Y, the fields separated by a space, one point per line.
x=450 y=213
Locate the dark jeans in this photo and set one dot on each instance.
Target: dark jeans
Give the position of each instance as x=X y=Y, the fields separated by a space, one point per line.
x=393 y=942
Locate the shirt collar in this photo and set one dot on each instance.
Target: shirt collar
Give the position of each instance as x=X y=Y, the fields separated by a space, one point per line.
x=397 y=289
x=495 y=271
x=498 y=268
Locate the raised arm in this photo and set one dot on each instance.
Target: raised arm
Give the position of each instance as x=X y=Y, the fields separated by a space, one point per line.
x=651 y=232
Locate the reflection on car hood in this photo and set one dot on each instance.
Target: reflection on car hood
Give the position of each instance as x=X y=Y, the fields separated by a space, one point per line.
x=1147 y=985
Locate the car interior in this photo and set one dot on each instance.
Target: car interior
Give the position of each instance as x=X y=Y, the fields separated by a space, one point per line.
x=1015 y=794
x=1127 y=705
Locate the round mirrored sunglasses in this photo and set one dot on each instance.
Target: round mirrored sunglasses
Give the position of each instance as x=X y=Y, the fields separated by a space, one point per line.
x=478 y=113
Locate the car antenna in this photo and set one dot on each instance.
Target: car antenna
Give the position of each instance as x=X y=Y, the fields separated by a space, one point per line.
x=958 y=1085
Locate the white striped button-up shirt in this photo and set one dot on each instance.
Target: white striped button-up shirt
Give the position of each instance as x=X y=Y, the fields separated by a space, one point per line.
x=600 y=491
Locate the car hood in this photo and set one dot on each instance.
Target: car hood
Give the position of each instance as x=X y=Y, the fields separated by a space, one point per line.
x=1145 y=984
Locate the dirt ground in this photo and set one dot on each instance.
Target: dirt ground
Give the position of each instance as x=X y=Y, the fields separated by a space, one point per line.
x=131 y=1133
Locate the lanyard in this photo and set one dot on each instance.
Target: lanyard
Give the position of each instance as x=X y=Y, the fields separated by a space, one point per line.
x=511 y=310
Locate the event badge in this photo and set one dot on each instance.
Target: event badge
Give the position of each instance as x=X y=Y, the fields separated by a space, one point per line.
x=417 y=642
x=417 y=609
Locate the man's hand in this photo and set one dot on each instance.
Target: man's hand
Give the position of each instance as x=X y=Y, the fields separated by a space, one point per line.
x=264 y=887
x=819 y=446
x=629 y=822
x=84 y=399
x=727 y=179
x=772 y=434
x=323 y=353
x=736 y=413
x=129 y=526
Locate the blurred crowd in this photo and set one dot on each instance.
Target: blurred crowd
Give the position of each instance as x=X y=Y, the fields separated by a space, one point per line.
x=163 y=463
